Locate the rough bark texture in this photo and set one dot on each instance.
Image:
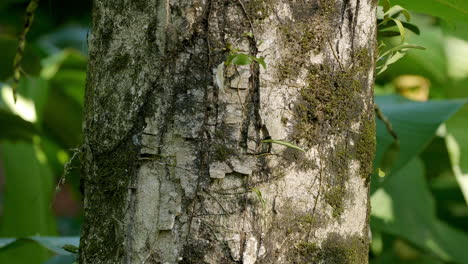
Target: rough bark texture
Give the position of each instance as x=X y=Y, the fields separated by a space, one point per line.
x=175 y=170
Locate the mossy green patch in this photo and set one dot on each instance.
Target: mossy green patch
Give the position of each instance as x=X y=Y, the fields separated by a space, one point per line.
x=106 y=188
x=335 y=249
x=259 y=9
x=365 y=148
x=330 y=103
x=334 y=196
x=194 y=252
x=119 y=62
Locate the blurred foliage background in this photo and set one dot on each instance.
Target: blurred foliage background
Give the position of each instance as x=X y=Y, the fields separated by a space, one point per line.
x=419 y=190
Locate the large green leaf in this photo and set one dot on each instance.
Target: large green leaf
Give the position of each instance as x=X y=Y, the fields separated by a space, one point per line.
x=415 y=124
x=61 y=259
x=63 y=111
x=54 y=244
x=404 y=207
x=34 y=89
x=459 y=152
x=26 y=201
x=15 y=128
x=451 y=10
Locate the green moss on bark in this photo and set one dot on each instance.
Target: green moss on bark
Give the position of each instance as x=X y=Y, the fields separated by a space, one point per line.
x=106 y=189
x=259 y=9
x=335 y=249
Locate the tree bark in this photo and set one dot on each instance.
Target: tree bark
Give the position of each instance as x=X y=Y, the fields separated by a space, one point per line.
x=175 y=167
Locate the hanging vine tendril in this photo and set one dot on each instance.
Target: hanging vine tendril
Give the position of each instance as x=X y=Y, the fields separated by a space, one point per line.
x=22 y=44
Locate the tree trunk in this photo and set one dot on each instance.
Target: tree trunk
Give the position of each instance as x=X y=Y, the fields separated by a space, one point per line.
x=175 y=167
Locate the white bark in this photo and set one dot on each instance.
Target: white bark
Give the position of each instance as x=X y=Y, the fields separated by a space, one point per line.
x=175 y=170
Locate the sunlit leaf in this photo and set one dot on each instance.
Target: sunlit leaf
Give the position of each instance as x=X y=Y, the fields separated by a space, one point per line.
x=404 y=207
x=241 y=59
x=15 y=128
x=401 y=29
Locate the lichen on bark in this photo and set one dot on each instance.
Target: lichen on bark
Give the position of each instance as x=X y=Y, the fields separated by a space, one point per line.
x=175 y=167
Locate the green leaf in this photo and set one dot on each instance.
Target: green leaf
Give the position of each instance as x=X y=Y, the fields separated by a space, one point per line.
x=451 y=10
x=406 y=25
x=388 y=33
x=385 y=5
x=454 y=154
x=259 y=195
x=15 y=128
x=26 y=200
x=57 y=244
x=402 y=47
x=430 y=63
x=242 y=59
x=458 y=153
x=283 y=143
x=248 y=34
x=34 y=90
x=394 y=57
x=229 y=58
x=61 y=259
x=64 y=106
x=260 y=61
x=404 y=207
x=395 y=10
x=415 y=123
x=389 y=158
x=401 y=29
x=54 y=244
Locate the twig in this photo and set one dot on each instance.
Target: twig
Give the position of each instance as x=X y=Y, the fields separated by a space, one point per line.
x=248 y=18
x=385 y=120
x=22 y=44
x=335 y=55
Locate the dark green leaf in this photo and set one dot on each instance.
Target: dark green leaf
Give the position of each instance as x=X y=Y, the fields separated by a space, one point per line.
x=15 y=128
x=415 y=124
x=54 y=244
x=404 y=207
x=61 y=259
x=390 y=157
x=26 y=200
x=388 y=33
x=451 y=10
x=407 y=25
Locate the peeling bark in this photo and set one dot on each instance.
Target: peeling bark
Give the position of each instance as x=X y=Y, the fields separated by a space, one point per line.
x=174 y=167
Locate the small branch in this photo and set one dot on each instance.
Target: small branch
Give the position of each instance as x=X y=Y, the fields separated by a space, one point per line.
x=385 y=120
x=22 y=44
x=335 y=55
x=248 y=18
